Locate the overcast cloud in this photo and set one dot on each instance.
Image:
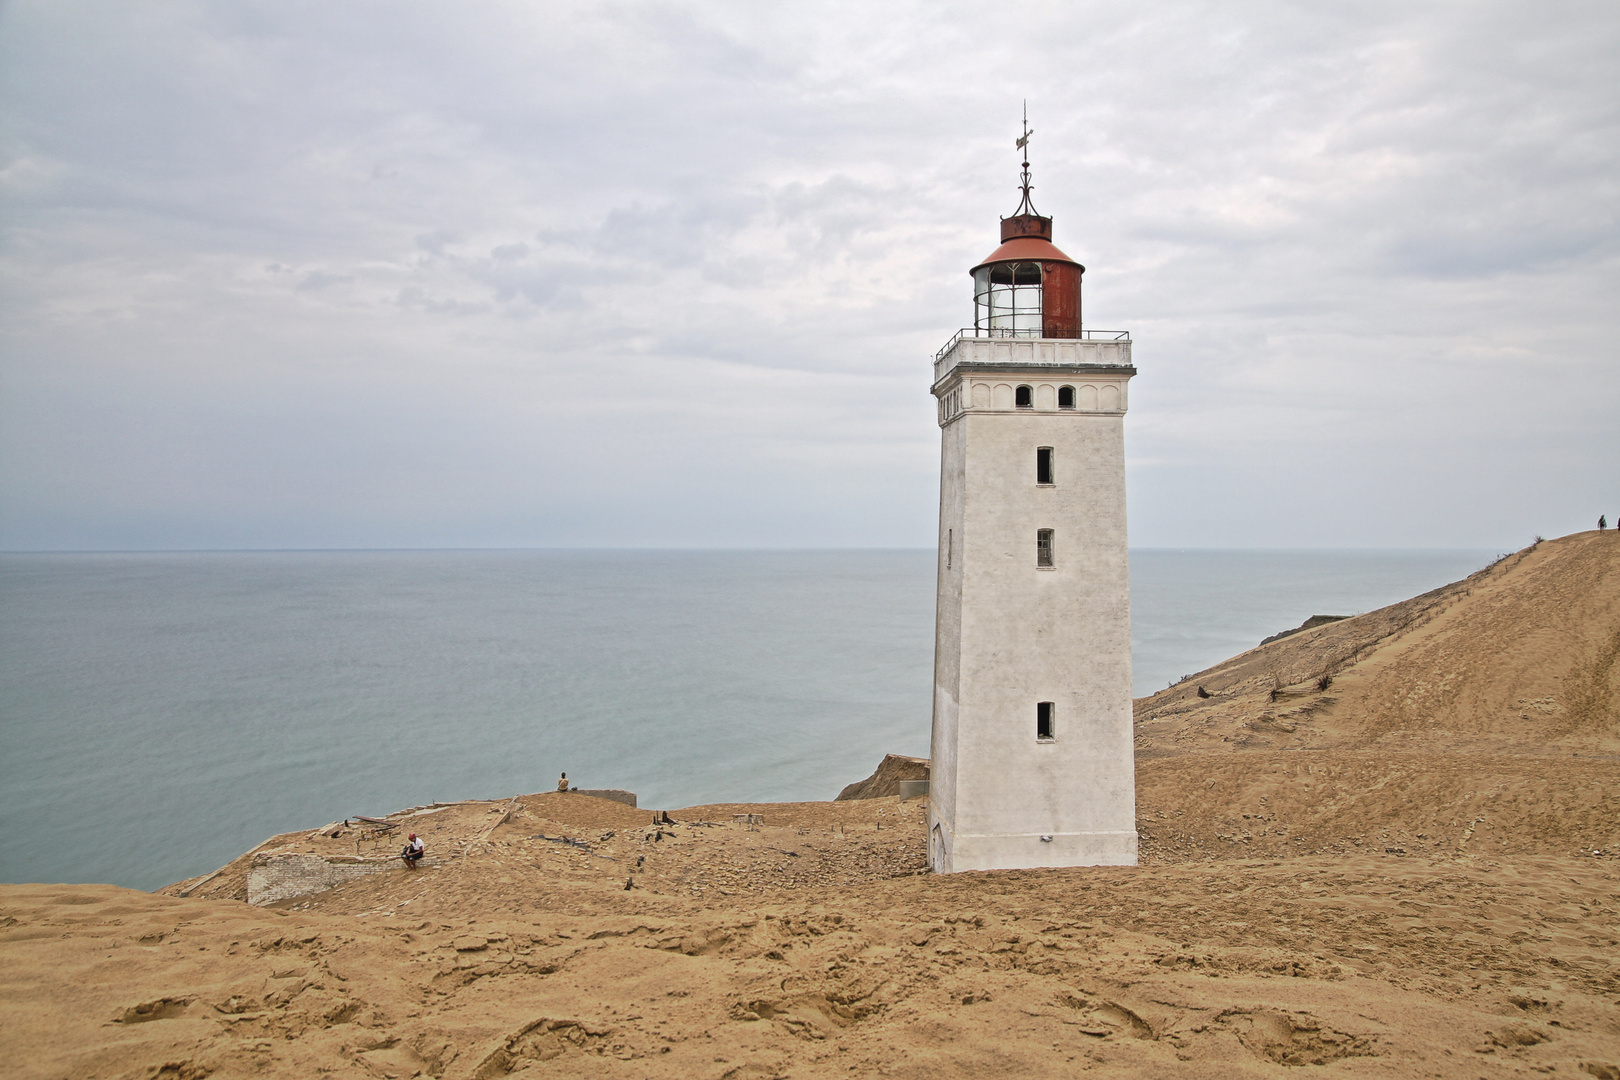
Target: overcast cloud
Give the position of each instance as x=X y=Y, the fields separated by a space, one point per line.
x=512 y=274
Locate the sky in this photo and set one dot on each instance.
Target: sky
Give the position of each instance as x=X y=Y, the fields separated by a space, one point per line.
x=313 y=275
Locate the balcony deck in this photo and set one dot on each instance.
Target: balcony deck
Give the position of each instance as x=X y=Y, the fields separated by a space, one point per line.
x=1095 y=348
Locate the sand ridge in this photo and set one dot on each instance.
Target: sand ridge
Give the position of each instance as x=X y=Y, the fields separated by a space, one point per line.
x=1521 y=657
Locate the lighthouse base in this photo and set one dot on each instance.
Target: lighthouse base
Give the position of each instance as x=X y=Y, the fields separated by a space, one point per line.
x=951 y=853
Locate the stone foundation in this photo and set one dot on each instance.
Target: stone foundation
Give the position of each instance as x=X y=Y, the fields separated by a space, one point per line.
x=626 y=797
x=283 y=877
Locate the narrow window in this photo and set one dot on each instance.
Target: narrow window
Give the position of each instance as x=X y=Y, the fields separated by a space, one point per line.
x=1065 y=397
x=950 y=547
x=1043 y=721
x=1024 y=398
x=1043 y=548
x=1043 y=464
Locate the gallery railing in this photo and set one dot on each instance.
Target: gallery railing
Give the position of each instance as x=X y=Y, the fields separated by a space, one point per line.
x=985 y=332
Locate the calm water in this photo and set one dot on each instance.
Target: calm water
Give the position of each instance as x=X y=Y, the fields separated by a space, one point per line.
x=161 y=713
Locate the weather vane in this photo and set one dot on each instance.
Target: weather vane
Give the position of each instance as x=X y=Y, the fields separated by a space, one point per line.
x=1026 y=207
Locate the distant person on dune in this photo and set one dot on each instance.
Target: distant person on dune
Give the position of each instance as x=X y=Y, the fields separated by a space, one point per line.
x=1603 y=523
x=562 y=784
x=414 y=850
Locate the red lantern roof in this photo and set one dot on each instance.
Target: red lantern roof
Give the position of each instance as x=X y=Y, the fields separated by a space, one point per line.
x=1025 y=249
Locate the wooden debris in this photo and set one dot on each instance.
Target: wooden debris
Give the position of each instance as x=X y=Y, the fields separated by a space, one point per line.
x=199 y=883
x=500 y=820
x=569 y=840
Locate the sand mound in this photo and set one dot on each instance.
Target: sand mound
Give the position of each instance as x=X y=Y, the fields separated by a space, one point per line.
x=1480 y=717
x=1320 y=802
x=1518 y=658
x=885 y=780
x=1385 y=846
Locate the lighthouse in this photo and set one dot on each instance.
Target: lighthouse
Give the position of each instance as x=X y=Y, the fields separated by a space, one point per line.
x=1032 y=756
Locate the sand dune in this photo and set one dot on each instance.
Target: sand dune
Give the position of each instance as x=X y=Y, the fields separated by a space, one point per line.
x=1388 y=846
x=1482 y=717
x=1520 y=657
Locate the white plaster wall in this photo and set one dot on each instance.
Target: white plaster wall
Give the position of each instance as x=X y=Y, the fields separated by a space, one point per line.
x=1010 y=635
x=947 y=623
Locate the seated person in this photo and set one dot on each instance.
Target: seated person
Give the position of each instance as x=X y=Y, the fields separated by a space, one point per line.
x=414 y=850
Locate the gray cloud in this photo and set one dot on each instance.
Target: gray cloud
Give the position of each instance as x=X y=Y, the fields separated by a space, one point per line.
x=318 y=275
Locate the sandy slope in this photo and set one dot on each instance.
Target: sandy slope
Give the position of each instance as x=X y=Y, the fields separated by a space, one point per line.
x=1385 y=847
x=1520 y=657
x=1481 y=717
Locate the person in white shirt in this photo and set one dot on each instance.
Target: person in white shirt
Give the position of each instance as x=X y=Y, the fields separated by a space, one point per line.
x=414 y=850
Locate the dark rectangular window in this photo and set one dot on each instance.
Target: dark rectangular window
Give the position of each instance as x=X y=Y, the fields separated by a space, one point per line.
x=1043 y=548
x=1043 y=465
x=1043 y=721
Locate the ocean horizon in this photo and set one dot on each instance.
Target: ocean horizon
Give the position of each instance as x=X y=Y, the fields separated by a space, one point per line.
x=161 y=712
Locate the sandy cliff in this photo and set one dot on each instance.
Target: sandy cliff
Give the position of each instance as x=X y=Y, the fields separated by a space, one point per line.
x=1382 y=847
x=1520 y=657
x=1489 y=707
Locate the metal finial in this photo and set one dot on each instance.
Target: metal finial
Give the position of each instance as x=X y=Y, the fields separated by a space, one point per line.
x=1025 y=206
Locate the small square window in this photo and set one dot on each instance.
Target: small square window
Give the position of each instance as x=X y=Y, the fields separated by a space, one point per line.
x=1043 y=721
x=1024 y=397
x=1043 y=548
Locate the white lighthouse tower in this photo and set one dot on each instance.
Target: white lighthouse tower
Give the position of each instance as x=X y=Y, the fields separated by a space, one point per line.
x=1032 y=760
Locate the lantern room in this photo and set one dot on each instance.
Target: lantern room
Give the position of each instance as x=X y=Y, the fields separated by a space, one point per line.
x=1027 y=287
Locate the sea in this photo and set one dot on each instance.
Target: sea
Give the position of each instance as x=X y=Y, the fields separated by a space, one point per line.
x=161 y=713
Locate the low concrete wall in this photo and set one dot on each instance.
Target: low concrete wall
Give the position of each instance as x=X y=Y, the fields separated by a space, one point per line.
x=911 y=789
x=626 y=797
x=283 y=877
